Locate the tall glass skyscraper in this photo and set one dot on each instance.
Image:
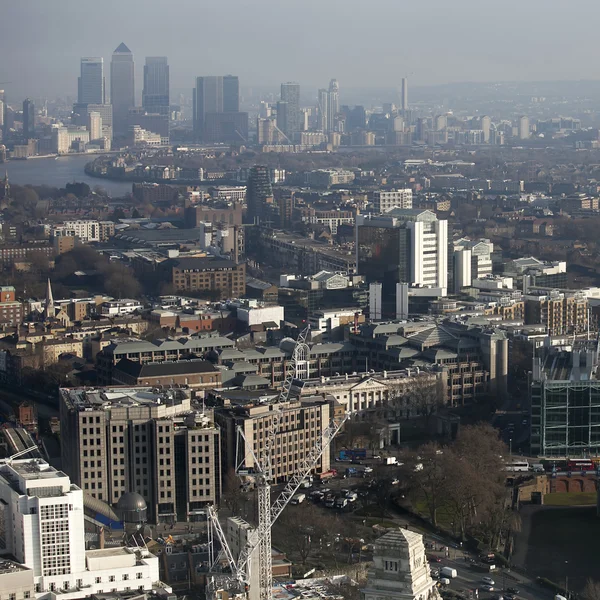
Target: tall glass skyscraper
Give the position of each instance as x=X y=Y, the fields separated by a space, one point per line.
x=122 y=86
x=91 y=81
x=290 y=93
x=155 y=95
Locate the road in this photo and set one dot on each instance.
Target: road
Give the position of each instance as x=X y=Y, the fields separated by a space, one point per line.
x=469 y=579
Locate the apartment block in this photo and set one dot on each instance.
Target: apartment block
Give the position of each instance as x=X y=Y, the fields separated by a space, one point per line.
x=384 y=200
x=560 y=312
x=155 y=442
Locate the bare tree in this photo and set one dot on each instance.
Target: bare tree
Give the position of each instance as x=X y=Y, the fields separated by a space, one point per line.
x=591 y=591
x=422 y=394
x=426 y=477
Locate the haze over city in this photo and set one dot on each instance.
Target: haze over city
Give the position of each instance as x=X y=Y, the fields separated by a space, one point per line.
x=363 y=44
x=299 y=300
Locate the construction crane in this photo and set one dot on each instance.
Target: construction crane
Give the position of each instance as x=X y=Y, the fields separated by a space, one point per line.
x=268 y=514
x=264 y=475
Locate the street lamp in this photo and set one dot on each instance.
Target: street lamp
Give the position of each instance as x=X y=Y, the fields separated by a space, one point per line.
x=566 y=580
x=510 y=447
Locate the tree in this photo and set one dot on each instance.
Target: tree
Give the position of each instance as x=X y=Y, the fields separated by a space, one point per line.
x=423 y=394
x=428 y=481
x=120 y=282
x=79 y=189
x=591 y=591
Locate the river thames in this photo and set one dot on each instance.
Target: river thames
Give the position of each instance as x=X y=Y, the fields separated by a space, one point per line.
x=57 y=173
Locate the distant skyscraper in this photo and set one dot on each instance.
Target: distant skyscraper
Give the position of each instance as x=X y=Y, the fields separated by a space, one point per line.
x=2 y=113
x=231 y=94
x=91 y=82
x=404 y=93
x=122 y=87
x=290 y=93
x=486 y=124
x=524 y=128
x=334 y=103
x=323 y=99
x=28 y=119
x=259 y=193
x=95 y=125
x=155 y=96
x=207 y=98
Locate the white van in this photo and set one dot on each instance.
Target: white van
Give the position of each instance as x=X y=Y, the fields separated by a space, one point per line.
x=298 y=499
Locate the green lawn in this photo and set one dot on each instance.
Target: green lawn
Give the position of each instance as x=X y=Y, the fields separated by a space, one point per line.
x=444 y=519
x=570 y=498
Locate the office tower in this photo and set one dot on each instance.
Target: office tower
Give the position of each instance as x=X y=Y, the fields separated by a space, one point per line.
x=259 y=193
x=564 y=393
x=231 y=94
x=28 y=120
x=404 y=103
x=385 y=200
x=486 y=125
x=524 y=128
x=403 y=245
x=265 y=130
x=155 y=95
x=207 y=98
x=158 y=444
x=334 y=102
x=231 y=127
x=44 y=529
x=290 y=93
x=95 y=125
x=216 y=103
x=3 y=108
x=323 y=99
x=91 y=82
x=122 y=87
x=282 y=119
x=375 y=299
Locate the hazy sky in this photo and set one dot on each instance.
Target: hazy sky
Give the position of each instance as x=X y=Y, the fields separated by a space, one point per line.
x=363 y=43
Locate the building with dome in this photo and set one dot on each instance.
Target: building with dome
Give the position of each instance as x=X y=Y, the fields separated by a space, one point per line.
x=400 y=569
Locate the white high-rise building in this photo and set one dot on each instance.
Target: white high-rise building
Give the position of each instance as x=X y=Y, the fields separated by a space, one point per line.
x=323 y=100
x=334 y=103
x=375 y=299
x=95 y=125
x=524 y=128
x=428 y=250
x=42 y=527
x=385 y=200
x=472 y=260
x=486 y=125
x=403 y=246
x=404 y=104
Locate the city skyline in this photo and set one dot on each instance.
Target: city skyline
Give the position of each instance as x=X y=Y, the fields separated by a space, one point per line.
x=45 y=67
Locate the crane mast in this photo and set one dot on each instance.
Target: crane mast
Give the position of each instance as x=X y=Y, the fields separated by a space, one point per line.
x=265 y=474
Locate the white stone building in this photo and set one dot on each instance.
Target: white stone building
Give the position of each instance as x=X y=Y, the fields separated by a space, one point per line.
x=42 y=527
x=400 y=569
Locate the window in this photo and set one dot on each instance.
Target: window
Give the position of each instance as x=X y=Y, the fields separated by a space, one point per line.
x=391 y=565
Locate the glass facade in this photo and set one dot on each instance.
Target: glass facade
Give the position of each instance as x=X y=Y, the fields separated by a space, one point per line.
x=383 y=256
x=565 y=418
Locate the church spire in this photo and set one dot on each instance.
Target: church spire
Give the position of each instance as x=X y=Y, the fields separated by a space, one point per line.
x=49 y=305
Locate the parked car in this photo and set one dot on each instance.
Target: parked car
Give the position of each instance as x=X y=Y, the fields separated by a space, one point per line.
x=487 y=588
x=433 y=558
x=488 y=580
x=512 y=590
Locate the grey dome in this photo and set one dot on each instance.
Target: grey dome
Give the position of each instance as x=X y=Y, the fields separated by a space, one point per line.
x=132 y=508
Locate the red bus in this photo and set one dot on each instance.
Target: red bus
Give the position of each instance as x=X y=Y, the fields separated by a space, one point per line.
x=580 y=464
